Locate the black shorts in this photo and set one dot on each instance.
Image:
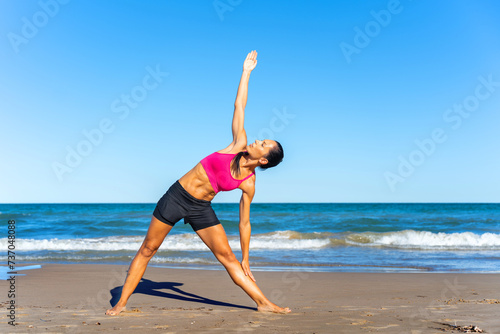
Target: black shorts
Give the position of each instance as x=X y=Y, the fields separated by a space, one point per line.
x=177 y=203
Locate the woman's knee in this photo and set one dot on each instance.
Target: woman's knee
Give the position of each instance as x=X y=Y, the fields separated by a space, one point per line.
x=226 y=256
x=148 y=249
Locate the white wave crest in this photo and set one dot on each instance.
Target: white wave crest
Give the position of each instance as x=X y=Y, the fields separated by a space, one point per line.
x=178 y=242
x=427 y=240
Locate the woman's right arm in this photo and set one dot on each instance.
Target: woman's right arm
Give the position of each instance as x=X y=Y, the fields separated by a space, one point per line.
x=239 y=135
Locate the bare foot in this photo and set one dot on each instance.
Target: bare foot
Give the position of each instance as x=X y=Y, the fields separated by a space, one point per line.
x=272 y=308
x=116 y=310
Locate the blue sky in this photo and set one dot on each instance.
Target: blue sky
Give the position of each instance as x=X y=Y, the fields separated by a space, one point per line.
x=379 y=101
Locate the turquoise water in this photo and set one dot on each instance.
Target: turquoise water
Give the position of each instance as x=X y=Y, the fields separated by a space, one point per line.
x=314 y=237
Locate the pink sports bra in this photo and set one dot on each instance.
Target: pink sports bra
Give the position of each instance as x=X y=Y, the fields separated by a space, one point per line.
x=218 y=168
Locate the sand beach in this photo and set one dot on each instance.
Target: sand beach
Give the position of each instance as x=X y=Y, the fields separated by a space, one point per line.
x=72 y=298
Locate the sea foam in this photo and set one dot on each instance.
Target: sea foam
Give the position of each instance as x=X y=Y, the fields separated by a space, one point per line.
x=177 y=242
x=427 y=240
x=279 y=240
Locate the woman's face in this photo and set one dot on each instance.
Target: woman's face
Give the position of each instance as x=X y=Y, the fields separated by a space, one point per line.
x=260 y=148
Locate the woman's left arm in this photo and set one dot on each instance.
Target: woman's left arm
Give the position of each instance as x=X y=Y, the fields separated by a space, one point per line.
x=248 y=188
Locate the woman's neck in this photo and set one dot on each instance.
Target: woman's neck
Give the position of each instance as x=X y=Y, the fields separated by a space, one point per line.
x=247 y=163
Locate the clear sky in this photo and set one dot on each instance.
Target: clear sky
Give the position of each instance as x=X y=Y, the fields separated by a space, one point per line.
x=373 y=101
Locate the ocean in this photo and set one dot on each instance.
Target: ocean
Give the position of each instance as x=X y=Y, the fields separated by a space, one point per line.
x=289 y=236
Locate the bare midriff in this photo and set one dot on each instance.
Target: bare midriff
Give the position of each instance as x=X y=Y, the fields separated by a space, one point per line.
x=197 y=184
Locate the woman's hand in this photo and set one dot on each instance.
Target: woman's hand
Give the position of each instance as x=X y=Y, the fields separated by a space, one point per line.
x=246 y=269
x=250 y=61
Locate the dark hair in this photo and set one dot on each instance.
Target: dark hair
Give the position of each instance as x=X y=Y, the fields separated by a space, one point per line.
x=274 y=157
x=235 y=163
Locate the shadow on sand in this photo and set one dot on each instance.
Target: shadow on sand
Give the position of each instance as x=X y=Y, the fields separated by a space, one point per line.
x=151 y=288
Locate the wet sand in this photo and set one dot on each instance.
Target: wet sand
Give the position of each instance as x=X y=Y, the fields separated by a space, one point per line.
x=72 y=298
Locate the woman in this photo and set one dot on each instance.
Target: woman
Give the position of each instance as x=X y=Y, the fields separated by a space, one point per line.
x=190 y=198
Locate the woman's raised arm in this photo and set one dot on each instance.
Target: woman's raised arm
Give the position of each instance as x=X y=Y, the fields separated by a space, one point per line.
x=239 y=135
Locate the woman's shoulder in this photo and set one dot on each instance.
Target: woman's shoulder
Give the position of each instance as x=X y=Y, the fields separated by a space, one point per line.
x=248 y=185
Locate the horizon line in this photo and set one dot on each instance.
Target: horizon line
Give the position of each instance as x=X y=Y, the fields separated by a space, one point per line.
x=257 y=203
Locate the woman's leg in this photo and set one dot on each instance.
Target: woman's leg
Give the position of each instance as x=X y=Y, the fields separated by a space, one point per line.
x=156 y=233
x=215 y=238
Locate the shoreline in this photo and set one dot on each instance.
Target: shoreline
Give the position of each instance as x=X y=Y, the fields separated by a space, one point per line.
x=72 y=298
x=307 y=268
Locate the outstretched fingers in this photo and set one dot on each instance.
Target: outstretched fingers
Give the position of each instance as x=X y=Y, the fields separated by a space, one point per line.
x=250 y=61
x=252 y=55
x=246 y=269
